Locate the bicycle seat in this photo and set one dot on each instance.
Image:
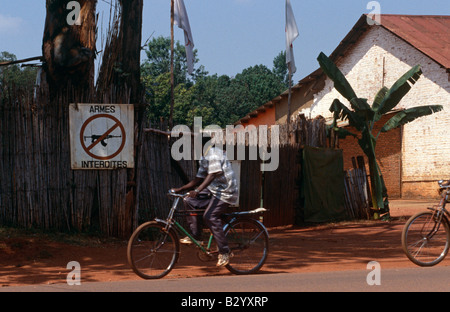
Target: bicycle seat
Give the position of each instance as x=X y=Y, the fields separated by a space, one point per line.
x=246 y=213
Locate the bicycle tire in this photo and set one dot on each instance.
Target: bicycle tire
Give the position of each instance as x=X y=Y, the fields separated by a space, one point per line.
x=248 y=240
x=145 y=255
x=425 y=241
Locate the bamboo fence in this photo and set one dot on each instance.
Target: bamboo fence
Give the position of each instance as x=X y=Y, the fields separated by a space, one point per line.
x=39 y=189
x=278 y=191
x=155 y=176
x=37 y=186
x=357 y=192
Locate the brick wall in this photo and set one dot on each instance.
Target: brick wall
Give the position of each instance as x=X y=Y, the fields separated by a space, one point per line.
x=380 y=58
x=388 y=152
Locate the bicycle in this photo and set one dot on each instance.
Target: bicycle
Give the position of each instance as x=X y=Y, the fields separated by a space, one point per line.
x=426 y=235
x=154 y=247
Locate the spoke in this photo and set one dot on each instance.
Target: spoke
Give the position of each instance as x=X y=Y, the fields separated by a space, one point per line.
x=419 y=250
x=258 y=234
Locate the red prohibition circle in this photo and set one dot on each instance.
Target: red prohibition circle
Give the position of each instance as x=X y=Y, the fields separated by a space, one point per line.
x=87 y=149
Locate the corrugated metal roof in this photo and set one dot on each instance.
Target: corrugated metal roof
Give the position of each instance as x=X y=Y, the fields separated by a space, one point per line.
x=427 y=33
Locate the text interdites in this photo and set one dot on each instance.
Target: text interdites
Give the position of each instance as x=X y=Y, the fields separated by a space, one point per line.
x=100 y=164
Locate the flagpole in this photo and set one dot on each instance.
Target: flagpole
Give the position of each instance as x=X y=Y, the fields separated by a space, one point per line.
x=291 y=35
x=172 y=79
x=289 y=101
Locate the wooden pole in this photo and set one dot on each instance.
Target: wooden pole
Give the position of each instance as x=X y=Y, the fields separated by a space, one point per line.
x=37 y=58
x=172 y=79
x=289 y=102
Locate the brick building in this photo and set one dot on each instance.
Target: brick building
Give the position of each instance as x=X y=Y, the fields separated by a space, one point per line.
x=412 y=158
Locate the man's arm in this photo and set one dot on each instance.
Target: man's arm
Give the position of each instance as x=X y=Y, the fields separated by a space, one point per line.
x=191 y=185
x=207 y=181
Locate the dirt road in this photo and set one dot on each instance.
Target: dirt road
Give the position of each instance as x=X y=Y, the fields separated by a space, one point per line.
x=32 y=259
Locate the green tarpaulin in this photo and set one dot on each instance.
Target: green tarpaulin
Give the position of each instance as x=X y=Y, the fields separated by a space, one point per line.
x=323 y=185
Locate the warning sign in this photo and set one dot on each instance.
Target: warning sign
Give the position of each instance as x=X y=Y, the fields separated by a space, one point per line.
x=102 y=136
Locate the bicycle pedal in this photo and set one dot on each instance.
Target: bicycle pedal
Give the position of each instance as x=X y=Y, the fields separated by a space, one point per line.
x=186 y=241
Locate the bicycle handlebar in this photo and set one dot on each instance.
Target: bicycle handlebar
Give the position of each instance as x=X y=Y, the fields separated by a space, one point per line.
x=444 y=183
x=172 y=193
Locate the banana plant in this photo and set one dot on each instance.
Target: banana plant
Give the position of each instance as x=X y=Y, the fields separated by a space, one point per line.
x=362 y=117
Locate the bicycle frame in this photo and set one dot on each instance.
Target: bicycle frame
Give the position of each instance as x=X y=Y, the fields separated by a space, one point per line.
x=443 y=202
x=170 y=222
x=440 y=212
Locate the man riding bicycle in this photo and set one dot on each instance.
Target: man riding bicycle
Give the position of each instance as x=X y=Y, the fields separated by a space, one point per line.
x=214 y=188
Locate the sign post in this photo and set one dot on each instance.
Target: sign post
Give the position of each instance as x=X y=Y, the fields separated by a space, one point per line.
x=101 y=136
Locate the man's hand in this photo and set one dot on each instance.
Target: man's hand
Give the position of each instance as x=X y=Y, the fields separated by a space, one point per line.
x=192 y=184
x=193 y=193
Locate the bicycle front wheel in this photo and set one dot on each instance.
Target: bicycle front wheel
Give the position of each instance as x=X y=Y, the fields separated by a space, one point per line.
x=152 y=251
x=248 y=240
x=425 y=240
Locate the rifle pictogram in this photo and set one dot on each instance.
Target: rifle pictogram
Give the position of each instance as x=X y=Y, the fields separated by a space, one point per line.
x=94 y=138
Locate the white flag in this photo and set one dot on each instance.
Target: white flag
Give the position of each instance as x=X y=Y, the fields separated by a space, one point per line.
x=181 y=19
x=291 y=35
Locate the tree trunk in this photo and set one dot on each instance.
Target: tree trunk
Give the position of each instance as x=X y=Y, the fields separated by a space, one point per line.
x=69 y=44
x=130 y=47
x=368 y=144
x=122 y=53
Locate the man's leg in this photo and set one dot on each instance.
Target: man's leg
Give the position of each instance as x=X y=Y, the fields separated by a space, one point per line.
x=212 y=218
x=194 y=221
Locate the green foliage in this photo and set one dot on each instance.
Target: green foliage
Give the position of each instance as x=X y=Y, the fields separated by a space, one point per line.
x=340 y=82
x=247 y=91
x=280 y=68
x=158 y=61
x=14 y=75
x=219 y=100
x=408 y=115
x=387 y=99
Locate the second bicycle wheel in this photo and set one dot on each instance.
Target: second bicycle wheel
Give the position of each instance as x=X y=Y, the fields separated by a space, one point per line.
x=152 y=251
x=249 y=243
x=425 y=241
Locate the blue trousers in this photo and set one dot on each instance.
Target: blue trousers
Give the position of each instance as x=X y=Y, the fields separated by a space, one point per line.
x=212 y=217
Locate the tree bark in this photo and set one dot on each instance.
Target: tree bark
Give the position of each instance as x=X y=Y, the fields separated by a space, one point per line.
x=69 y=49
x=130 y=44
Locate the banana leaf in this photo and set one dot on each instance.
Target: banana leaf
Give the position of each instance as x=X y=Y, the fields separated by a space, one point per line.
x=408 y=115
x=342 y=112
x=395 y=94
x=362 y=108
x=340 y=82
x=379 y=98
x=342 y=133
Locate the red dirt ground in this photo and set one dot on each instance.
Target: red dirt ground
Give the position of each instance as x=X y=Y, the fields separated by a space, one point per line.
x=36 y=259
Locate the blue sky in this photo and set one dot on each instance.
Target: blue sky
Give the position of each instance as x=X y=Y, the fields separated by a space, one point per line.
x=230 y=35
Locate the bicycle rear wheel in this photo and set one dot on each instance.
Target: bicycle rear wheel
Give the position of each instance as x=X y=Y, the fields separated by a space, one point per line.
x=248 y=240
x=152 y=251
x=425 y=240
